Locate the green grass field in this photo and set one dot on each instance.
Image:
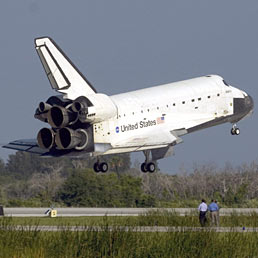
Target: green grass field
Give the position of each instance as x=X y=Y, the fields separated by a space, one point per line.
x=149 y=219
x=119 y=243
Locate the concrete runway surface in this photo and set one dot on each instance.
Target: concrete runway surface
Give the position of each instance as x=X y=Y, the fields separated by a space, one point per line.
x=131 y=229
x=73 y=212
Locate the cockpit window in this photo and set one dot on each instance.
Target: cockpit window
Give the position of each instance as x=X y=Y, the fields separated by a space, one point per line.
x=225 y=83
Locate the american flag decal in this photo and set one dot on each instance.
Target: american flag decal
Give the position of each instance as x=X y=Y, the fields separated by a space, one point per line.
x=160 y=120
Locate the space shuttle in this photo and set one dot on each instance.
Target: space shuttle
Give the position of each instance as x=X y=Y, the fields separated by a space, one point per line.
x=81 y=122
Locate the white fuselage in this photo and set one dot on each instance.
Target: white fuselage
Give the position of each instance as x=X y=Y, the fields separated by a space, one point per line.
x=174 y=106
x=84 y=122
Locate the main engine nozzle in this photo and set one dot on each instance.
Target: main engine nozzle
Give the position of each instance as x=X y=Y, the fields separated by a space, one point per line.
x=80 y=106
x=46 y=138
x=59 y=117
x=81 y=103
x=67 y=138
x=41 y=112
x=44 y=107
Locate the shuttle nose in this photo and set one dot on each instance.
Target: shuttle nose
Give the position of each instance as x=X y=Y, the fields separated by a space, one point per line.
x=249 y=104
x=243 y=106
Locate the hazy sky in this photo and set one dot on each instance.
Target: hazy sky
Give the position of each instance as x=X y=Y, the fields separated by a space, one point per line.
x=127 y=45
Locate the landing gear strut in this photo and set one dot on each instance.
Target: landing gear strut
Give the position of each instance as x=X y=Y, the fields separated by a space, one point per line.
x=100 y=167
x=148 y=166
x=235 y=130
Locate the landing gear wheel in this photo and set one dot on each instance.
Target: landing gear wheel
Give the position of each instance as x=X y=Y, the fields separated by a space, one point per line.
x=235 y=131
x=148 y=166
x=103 y=167
x=151 y=167
x=144 y=168
x=96 y=167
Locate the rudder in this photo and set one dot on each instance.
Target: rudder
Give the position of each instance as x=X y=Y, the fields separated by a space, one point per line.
x=63 y=75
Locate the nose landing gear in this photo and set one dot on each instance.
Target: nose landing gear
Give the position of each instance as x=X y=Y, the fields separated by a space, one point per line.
x=235 y=130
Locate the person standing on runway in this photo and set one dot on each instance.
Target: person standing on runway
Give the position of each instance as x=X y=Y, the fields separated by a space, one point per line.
x=203 y=208
x=214 y=212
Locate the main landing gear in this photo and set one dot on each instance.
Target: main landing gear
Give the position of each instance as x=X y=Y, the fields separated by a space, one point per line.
x=100 y=167
x=148 y=166
x=235 y=130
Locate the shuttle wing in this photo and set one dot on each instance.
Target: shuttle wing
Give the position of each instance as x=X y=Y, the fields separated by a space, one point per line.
x=63 y=76
x=31 y=146
x=28 y=145
x=161 y=138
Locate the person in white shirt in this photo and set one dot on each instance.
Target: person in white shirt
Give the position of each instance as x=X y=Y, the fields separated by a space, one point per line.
x=203 y=208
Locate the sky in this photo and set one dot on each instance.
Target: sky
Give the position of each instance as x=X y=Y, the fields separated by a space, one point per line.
x=122 y=45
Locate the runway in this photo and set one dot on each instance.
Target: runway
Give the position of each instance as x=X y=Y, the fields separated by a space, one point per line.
x=76 y=212
x=152 y=229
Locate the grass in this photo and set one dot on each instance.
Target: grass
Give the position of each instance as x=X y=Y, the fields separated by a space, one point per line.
x=154 y=218
x=118 y=243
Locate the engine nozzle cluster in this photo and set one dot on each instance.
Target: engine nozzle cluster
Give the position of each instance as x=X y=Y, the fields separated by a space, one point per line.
x=62 y=116
x=64 y=138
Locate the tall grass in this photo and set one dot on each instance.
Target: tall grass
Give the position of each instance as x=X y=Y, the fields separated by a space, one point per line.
x=120 y=243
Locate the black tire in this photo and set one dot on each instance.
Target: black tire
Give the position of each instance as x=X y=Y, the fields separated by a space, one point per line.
x=237 y=131
x=144 y=168
x=103 y=167
x=96 y=167
x=151 y=167
x=233 y=131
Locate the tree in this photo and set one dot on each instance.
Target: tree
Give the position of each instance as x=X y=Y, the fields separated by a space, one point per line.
x=147 y=201
x=119 y=162
x=2 y=167
x=2 y=197
x=22 y=165
x=86 y=188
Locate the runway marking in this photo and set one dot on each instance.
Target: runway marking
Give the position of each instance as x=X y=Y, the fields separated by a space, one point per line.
x=148 y=229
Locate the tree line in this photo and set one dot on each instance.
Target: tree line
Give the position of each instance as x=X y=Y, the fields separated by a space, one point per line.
x=29 y=180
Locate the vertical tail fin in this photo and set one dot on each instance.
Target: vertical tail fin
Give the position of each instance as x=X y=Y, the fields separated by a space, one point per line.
x=63 y=76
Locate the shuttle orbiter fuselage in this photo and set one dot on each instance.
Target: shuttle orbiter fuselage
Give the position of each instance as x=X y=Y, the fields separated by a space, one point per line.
x=84 y=122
